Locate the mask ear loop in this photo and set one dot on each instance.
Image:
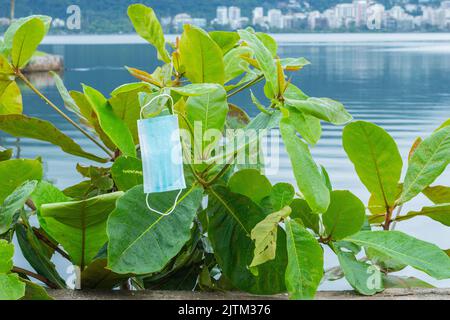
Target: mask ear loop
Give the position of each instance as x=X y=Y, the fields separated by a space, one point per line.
x=173 y=207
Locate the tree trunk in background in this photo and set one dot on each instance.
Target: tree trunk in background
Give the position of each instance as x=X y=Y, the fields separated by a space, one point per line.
x=12 y=9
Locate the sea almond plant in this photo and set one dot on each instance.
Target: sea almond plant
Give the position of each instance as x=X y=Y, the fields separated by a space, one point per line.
x=230 y=229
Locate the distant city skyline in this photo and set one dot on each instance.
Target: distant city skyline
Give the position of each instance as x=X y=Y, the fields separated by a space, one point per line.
x=354 y=15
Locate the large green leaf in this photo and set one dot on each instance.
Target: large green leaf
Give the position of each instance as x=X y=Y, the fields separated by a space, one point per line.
x=250 y=183
x=376 y=159
x=148 y=27
x=209 y=110
x=15 y=172
x=265 y=235
x=11 y=288
x=306 y=172
x=69 y=102
x=308 y=126
x=305 y=267
x=437 y=194
x=322 y=108
x=111 y=124
x=196 y=89
x=126 y=107
x=24 y=127
x=390 y=281
x=13 y=203
x=363 y=277
x=439 y=212
x=265 y=60
x=201 y=57
x=418 y=254
x=34 y=252
x=97 y=276
x=127 y=172
x=26 y=40
x=16 y=25
x=79 y=226
x=345 y=215
x=142 y=241
x=234 y=64
x=232 y=217
x=10 y=99
x=281 y=195
x=34 y=291
x=225 y=39
x=427 y=163
x=303 y=213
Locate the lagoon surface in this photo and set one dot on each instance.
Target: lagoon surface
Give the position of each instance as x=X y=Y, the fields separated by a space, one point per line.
x=401 y=84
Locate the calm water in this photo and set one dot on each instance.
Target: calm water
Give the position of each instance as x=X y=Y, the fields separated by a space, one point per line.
x=404 y=87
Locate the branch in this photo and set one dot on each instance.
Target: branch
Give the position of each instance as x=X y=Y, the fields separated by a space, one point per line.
x=35 y=276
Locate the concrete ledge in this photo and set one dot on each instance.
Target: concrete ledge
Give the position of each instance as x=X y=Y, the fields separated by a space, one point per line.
x=391 y=294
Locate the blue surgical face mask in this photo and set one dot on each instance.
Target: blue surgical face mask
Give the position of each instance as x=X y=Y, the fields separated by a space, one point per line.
x=161 y=153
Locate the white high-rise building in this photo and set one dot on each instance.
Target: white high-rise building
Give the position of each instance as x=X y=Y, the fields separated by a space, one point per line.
x=360 y=11
x=234 y=17
x=222 y=15
x=275 y=18
x=258 y=16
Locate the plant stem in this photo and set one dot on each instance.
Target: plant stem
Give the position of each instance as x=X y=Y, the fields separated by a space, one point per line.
x=35 y=276
x=58 y=110
x=50 y=244
x=245 y=86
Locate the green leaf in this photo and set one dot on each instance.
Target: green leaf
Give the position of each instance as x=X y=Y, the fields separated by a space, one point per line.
x=416 y=253
x=112 y=125
x=69 y=102
x=11 y=99
x=363 y=277
x=439 y=212
x=126 y=106
x=26 y=40
x=265 y=236
x=15 y=172
x=232 y=217
x=6 y=256
x=236 y=117
x=34 y=291
x=148 y=27
x=294 y=64
x=34 y=252
x=250 y=183
x=303 y=213
x=309 y=179
x=322 y=108
x=386 y=263
x=234 y=64
x=11 y=288
x=196 y=89
x=24 y=127
x=308 y=126
x=427 y=163
x=265 y=60
x=376 y=159
x=80 y=226
x=397 y=282
x=226 y=40
x=127 y=172
x=211 y=111
x=201 y=57
x=437 y=194
x=281 y=195
x=141 y=241
x=305 y=267
x=269 y=42
x=17 y=24
x=13 y=203
x=97 y=276
x=5 y=154
x=345 y=215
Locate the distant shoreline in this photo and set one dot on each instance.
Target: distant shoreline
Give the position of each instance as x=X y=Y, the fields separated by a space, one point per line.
x=297 y=38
